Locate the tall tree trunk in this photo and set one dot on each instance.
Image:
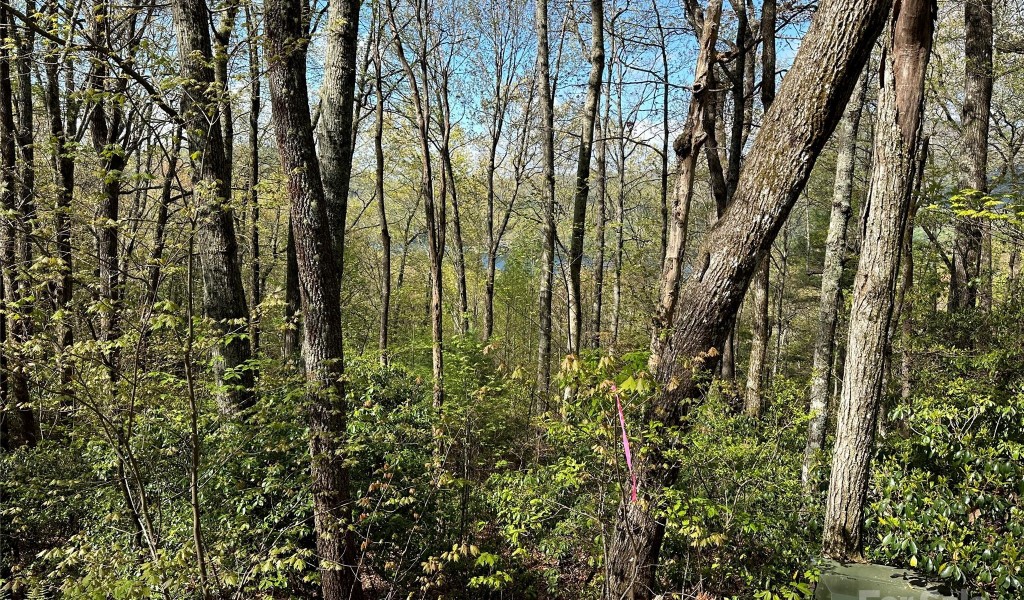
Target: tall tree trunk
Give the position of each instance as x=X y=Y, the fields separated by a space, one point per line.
x=224 y=294
x=334 y=130
x=780 y=160
x=761 y=327
x=897 y=128
x=547 y=258
x=666 y=87
x=63 y=129
x=687 y=148
x=968 y=248
x=255 y=106
x=443 y=94
x=105 y=126
x=582 y=195
x=600 y=230
x=321 y=305
x=17 y=408
x=434 y=215
x=830 y=300
x=378 y=151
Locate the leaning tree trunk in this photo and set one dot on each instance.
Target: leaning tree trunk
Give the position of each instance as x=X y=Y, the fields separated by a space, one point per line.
x=780 y=160
x=334 y=131
x=321 y=300
x=581 y=197
x=898 y=124
x=224 y=294
x=831 y=275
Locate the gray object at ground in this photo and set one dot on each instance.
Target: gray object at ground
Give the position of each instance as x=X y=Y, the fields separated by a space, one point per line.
x=853 y=581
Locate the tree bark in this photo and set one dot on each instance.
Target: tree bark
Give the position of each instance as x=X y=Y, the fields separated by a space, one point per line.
x=687 y=148
x=600 y=230
x=547 y=258
x=224 y=294
x=761 y=332
x=434 y=215
x=830 y=300
x=63 y=125
x=761 y=328
x=382 y=214
x=320 y=293
x=334 y=130
x=897 y=128
x=255 y=106
x=581 y=197
x=780 y=160
x=20 y=427
x=974 y=117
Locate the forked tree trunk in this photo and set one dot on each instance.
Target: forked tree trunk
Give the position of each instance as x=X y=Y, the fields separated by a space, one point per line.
x=780 y=160
x=831 y=275
x=321 y=305
x=582 y=196
x=898 y=125
x=687 y=148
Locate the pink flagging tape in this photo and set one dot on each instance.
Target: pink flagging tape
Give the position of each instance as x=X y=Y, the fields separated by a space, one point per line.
x=625 y=443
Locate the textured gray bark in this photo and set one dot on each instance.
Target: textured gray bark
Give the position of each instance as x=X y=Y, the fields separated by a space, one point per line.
x=830 y=300
x=334 y=130
x=761 y=327
x=968 y=285
x=898 y=123
x=753 y=399
x=223 y=292
x=582 y=195
x=547 y=258
x=780 y=160
x=321 y=306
